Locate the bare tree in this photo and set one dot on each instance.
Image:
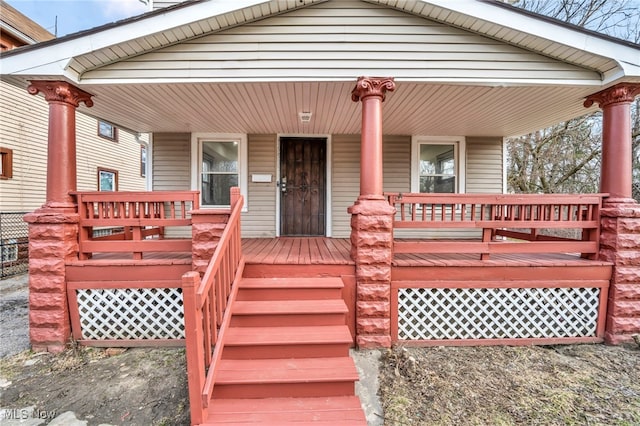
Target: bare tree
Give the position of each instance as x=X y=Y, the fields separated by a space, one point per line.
x=566 y=157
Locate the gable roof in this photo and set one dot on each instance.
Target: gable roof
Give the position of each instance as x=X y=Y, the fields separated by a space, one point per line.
x=77 y=53
x=535 y=81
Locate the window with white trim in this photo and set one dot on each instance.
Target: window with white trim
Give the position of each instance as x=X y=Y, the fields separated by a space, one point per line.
x=221 y=166
x=437 y=165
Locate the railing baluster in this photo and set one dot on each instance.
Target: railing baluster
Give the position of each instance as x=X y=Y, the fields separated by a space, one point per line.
x=520 y=216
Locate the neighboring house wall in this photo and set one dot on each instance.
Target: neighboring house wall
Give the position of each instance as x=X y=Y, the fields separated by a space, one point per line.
x=336 y=38
x=24 y=130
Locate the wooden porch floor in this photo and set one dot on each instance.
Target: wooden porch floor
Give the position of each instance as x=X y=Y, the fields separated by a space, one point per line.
x=336 y=251
x=297 y=251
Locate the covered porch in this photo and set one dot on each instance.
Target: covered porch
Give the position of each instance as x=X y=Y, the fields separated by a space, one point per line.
x=385 y=261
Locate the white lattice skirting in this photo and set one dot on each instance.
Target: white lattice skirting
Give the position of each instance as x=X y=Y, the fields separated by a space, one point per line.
x=496 y=313
x=146 y=313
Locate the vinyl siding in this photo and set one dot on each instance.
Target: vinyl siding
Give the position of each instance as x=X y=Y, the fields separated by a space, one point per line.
x=345 y=181
x=336 y=40
x=171 y=158
x=484 y=165
x=24 y=129
x=172 y=169
x=260 y=219
x=396 y=151
x=171 y=161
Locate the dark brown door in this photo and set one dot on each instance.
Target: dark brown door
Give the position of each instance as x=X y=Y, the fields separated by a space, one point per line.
x=302 y=186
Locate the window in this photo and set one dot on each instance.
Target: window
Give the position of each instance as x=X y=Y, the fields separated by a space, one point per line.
x=9 y=250
x=6 y=163
x=437 y=165
x=219 y=172
x=107 y=179
x=221 y=164
x=107 y=130
x=143 y=161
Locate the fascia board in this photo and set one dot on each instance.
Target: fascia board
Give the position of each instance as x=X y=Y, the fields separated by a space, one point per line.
x=16 y=33
x=627 y=57
x=48 y=59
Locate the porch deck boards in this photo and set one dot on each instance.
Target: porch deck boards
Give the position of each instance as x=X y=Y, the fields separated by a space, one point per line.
x=464 y=259
x=336 y=251
x=317 y=250
x=297 y=251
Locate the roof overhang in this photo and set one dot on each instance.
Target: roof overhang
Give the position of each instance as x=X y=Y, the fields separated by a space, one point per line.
x=71 y=57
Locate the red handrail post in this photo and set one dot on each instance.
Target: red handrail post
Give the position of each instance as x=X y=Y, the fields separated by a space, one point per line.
x=194 y=348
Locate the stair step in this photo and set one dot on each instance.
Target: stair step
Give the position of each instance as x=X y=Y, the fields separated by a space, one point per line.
x=342 y=410
x=285 y=312
x=290 y=288
x=287 y=342
x=299 y=377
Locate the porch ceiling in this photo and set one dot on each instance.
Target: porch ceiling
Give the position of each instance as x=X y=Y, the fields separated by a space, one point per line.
x=414 y=108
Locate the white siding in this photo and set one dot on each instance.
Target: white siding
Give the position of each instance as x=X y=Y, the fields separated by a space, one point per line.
x=93 y=151
x=171 y=161
x=342 y=39
x=484 y=165
x=172 y=169
x=397 y=160
x=260 y=219
x=345 y=182
x=24 y=129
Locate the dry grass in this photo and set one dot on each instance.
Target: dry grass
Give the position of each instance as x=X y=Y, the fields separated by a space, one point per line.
x=550 y=385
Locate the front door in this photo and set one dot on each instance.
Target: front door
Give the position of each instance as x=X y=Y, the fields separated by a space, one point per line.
x=302 y=186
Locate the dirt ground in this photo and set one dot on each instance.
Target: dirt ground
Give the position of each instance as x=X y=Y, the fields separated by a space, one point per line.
x=543 y=385
x=136 y=387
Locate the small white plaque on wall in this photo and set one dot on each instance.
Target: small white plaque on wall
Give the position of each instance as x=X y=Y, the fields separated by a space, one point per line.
x=260 y=178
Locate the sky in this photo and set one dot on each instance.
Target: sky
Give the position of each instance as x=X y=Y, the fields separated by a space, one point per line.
x=77 y=15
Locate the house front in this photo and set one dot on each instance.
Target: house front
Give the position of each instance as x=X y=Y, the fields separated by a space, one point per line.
x=356 y=140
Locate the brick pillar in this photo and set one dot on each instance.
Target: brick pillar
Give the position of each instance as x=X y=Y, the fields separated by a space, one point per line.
x=372 y=223
x=620 y=224
x=371 y=249
x=53 y=240
x=620 y=244
x=53 y=229
x=207 y=226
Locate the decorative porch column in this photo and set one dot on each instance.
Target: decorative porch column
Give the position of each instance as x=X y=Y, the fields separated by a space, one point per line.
x=372 y=223
x=620 y=224
x=53 y=229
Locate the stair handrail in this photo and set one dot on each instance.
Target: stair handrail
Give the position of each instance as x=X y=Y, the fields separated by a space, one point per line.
x=206 y=310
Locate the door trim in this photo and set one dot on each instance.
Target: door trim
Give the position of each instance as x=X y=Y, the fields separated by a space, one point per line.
x=328 y=177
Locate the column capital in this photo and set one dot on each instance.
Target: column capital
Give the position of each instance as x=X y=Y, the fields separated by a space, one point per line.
x=372 y=86
x=620 y=93
x=60 y=91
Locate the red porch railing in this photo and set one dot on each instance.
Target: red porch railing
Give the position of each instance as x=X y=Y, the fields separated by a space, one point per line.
x=515 y=217
x=205 y=311
x=138 y=220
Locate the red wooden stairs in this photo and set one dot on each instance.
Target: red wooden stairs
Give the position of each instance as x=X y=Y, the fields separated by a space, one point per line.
x=286 y=356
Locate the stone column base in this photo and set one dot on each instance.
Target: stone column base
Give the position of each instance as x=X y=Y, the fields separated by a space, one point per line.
x=620 y=244
x=53 y=240
x=372 y=251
